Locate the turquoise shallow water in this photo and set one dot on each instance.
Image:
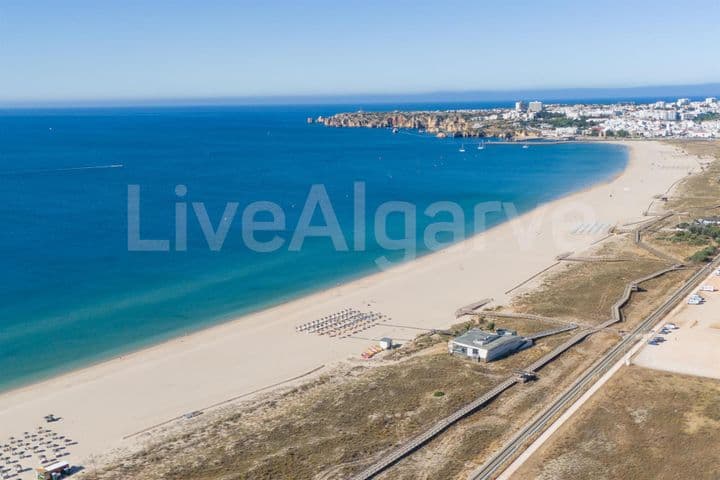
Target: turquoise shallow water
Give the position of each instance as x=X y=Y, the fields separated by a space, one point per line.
x=70 y=291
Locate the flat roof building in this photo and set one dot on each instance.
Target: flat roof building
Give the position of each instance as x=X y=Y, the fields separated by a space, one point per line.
x=487 y=346
x=535 y=107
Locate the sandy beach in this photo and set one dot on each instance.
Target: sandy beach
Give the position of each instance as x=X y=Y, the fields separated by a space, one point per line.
x=103 y=407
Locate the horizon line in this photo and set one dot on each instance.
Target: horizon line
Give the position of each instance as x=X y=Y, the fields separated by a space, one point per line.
x=441 y=96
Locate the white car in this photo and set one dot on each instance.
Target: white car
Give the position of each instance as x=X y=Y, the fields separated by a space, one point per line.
x=695 y=299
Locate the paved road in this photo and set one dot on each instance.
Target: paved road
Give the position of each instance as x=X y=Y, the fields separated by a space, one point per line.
x=495 y=463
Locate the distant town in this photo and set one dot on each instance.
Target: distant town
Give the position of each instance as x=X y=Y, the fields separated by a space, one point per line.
x=682 y=118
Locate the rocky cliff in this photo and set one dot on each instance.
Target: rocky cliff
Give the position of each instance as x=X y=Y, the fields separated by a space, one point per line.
x=455 y=124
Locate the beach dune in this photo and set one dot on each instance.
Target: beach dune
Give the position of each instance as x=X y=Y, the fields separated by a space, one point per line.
x=104 y=406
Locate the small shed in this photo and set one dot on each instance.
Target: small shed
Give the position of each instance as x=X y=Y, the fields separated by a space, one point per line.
x=55 y=470
x=386 y=343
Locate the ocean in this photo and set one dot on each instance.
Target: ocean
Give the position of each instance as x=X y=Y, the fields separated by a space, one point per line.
x=73 y=293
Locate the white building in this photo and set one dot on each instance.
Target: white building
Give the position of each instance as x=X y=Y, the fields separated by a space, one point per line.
x=566 y=131
x=667 y=115
x=520 y=106
x=487 y=346
x=535 y=107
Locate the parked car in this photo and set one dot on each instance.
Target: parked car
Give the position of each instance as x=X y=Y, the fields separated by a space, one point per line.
x=695 y=299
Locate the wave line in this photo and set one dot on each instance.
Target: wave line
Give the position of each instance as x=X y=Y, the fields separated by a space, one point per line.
x=68 y=169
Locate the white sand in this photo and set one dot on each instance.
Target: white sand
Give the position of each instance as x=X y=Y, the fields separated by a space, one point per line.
x=104 y=403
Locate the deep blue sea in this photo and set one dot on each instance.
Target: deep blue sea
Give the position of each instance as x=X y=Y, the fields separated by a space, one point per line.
x=71 y=293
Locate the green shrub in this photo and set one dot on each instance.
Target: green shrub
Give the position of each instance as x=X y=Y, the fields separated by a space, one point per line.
x=704 y=255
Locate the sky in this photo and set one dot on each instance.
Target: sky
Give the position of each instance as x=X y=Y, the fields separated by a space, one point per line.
x=110 y=49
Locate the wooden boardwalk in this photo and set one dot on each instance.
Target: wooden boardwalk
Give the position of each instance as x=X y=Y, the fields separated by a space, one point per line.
x=616 y=316
x=442 y=425
x=472 y=308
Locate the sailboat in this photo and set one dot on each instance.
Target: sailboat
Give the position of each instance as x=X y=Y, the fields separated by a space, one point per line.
x=481 y=146
x=462 y=148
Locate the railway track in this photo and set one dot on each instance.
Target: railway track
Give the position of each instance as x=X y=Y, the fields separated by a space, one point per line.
x=494 y=464
x=499 y=459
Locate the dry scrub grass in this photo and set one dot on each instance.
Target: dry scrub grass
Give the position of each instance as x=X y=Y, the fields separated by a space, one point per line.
x=334 y=426
x=643 y=424
x=699 y=194
x=651 y=295
x=694 y=197
x=328 y=428
x=459 y=450
x=586 y=291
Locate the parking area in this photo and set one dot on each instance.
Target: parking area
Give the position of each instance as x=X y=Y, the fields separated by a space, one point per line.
x=693 y=347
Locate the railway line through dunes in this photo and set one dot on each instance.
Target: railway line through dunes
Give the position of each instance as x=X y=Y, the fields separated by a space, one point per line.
x=507 y=453
x=416 y=442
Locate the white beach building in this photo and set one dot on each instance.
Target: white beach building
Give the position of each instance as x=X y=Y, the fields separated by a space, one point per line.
x=487 y=346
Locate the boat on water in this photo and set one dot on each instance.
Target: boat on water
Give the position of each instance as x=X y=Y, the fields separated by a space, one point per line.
x=481 y=146
x=525 y=146
x=462 y=149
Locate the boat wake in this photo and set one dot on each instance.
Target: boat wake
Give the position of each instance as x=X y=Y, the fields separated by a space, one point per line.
x=61 y=170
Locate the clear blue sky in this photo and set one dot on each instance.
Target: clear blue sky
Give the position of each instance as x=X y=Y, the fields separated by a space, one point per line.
x=107 y=49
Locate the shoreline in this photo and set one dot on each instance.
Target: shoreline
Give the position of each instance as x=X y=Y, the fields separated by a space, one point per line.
x=347 y=280
x=169 y=378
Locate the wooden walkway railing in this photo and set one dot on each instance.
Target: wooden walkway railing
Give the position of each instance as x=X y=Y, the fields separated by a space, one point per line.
x=408 y=447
